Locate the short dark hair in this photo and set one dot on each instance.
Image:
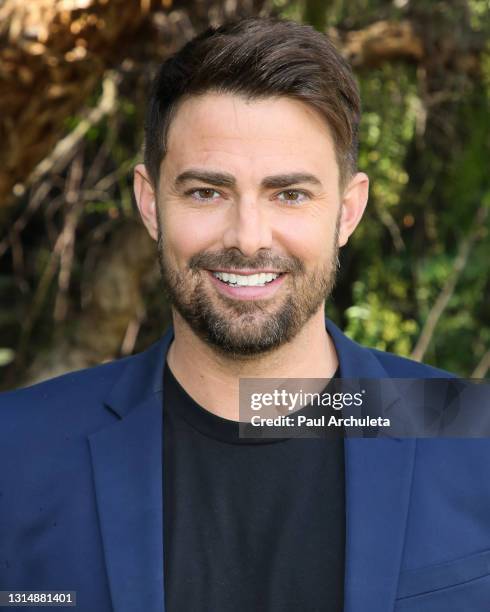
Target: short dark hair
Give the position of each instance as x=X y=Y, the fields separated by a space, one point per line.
x=258 y=58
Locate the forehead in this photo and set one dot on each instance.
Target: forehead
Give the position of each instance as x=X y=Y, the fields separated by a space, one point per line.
x=263 y=135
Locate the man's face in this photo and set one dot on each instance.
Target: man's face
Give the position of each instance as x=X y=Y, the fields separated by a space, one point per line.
x=249 y=219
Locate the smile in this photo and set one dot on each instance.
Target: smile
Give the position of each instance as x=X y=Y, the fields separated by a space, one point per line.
x=246 y=280
x=247 y=286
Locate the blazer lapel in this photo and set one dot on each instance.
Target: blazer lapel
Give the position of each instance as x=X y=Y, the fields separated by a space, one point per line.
x=378 y=482
x=127 y=467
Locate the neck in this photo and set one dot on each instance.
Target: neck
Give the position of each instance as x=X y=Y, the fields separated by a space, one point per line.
x=211 y=378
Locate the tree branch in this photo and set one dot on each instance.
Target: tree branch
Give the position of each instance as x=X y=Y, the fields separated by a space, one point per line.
x=380 y=42
x=68 y=145
x=447 y=291
x=482 y=367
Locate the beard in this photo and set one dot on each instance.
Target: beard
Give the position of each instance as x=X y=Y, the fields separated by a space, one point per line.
x=241 y=329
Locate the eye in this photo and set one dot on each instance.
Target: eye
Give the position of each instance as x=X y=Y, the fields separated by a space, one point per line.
x=203 y=194
x=294 y=196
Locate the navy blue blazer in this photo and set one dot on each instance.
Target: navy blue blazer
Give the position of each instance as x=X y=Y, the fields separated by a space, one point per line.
x=81 y=495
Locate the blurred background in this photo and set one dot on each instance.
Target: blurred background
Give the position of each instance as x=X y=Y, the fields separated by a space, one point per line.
x=79 y=280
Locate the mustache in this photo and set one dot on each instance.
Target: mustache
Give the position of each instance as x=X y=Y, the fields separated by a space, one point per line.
x=233 y=258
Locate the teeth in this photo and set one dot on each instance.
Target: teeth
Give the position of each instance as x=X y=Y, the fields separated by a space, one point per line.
x=249 y=280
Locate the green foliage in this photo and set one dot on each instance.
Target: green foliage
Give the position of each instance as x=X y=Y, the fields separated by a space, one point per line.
x=379 y=316
x=387 y=128
x=480 y=14
x=428 y=171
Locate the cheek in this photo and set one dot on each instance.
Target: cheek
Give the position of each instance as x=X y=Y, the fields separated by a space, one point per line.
x=309 y=239
x=187 y=232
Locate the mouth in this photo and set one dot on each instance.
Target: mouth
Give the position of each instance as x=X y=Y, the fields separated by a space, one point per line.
x=247 y=284
x=246 y=278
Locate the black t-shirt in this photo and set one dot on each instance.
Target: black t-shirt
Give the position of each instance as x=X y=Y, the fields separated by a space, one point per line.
x=249 y=525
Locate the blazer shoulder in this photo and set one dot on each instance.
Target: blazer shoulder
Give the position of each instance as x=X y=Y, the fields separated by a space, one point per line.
x=403 y=367
x=97 y=374
x=73 y=392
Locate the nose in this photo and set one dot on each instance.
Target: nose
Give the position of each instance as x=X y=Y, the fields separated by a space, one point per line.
x=248 y=228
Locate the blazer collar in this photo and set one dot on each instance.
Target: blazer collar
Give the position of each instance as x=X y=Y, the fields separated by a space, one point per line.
x=127 y=466
x=141 y=377
x=355 y=361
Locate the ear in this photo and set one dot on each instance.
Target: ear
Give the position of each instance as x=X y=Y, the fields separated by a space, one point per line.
x=146 y=199
x=353 y=205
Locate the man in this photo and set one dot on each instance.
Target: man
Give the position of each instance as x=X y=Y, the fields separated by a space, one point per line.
x=249 y=187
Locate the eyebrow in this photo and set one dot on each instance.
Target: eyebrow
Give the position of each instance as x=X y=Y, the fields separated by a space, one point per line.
x=223 y=179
